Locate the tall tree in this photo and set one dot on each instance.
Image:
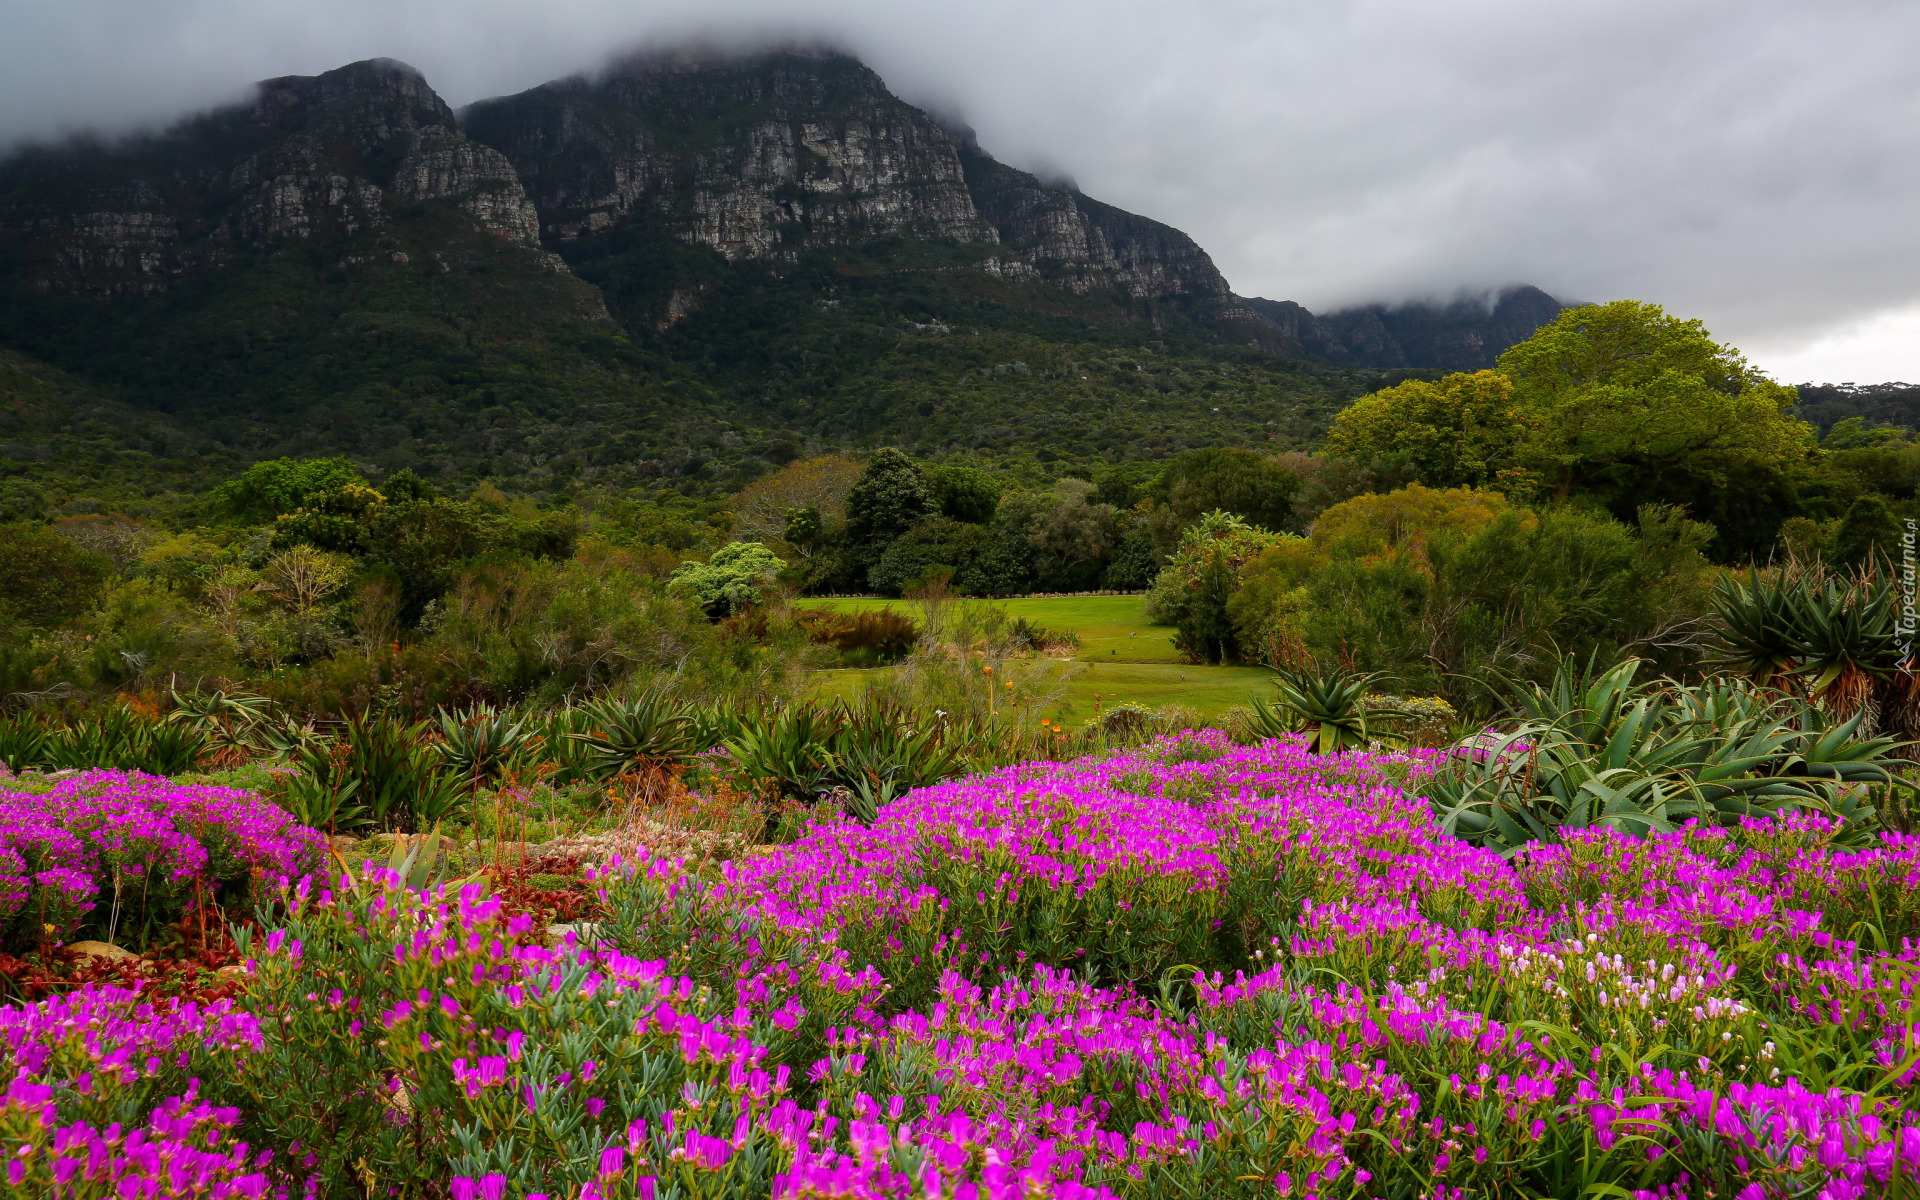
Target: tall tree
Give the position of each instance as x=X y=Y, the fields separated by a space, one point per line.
x=889 y=498
x=1231 y=480
x=1460 y=431
x=1623 y=398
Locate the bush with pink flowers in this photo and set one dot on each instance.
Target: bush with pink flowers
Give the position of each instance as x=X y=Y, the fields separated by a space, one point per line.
x=1190 y=970
x=117 y=854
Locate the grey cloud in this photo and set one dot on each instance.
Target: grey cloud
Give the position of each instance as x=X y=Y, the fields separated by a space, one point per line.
x=1750 y=162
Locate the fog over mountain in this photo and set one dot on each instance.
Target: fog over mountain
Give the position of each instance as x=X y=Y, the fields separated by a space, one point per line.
x=1754 y=164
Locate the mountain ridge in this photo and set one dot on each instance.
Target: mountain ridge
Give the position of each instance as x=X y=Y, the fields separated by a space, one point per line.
x=1466 y=334
x=686 y=267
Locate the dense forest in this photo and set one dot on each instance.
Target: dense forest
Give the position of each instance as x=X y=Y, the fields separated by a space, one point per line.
x=1586 y=496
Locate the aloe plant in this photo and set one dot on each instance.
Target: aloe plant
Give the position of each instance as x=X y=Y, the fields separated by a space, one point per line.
x=1833 y=638
x=1597 y=748
x=483 y=744
x=1335 y=708
x=1756 y=627
x=649 y=730
x=1844 y=638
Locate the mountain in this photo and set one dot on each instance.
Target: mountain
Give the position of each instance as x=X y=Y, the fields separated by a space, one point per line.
x=1466 y=335
x=770 y=156
x=686 y=267
x=65 y=447
x=1827 y=404
x=332 y=266
x=334 y=153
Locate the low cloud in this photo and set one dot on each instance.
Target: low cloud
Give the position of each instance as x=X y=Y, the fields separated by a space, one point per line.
x=1755 y=164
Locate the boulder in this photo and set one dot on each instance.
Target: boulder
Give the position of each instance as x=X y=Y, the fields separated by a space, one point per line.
x=92 y=949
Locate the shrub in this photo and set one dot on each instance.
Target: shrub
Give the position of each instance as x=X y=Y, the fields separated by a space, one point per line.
x=115 y=739
x=737 y=575
x=871 y=637
x=381 y=774
x=115 y=854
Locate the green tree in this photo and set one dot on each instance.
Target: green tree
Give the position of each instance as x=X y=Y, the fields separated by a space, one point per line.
x=803 y=530
x=1622 y=398
x=889 y=498
x=1853 y=434
x=737 y=575
x=1868 y=534
x=1197 y=586
x=1460 y=431
x=1228 y=479
x=941 y=545
x=269 y=489
x=339 y=520
x=1134 y=562
x=1072 y=535
x=46 y=579
x=964 y=493
x=1004 y=563
x=423 y=542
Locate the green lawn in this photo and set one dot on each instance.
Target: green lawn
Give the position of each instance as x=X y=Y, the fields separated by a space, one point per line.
x=1121 y=657
x=1112 y=629
x=1208 y=691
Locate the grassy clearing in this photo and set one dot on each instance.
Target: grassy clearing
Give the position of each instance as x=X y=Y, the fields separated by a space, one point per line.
x=1112 y=629
x=1123 y=657
x=1208 y=691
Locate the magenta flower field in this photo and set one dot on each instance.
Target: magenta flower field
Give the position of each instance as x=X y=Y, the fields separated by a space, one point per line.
x=1191 y=970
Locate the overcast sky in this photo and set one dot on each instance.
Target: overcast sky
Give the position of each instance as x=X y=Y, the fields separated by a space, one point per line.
x=1754 y=163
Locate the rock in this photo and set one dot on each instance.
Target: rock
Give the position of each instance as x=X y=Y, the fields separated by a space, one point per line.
x=587 y=932
x=343 y=842
x=232 y=971
x=296 y=163
x=795 y=145
x=91 y=949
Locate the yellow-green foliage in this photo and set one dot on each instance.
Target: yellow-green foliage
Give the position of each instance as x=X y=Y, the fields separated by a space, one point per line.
x=1439 y=588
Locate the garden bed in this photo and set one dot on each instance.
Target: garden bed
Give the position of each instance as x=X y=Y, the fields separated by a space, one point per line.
x=1190 y=969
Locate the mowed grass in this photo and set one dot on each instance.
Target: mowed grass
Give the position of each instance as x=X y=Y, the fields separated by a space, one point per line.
x=1208 y=691
x=1122 y=658
x=1112 y=629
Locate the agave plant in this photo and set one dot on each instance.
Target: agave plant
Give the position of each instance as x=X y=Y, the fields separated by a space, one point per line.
x=649 y=730
x=285 y=737
x=23 y=742
x=1586 y=701
x=1598 y=749
x=225 y=717
x=1756 y=627
x=881 y=752
x=483 y=744
x=321 y=795
x=120 y=740
x=1844 y=638
x=1336 y=708
x=788 y=747
x=381 y=774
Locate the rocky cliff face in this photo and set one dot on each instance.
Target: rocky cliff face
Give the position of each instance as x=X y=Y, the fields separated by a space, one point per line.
x=744 y=155
x=1081 y=244
x=1466 y=335
x=307 y=156
x=765 y=155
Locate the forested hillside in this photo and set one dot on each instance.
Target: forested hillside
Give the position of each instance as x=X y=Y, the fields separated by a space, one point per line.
x=343 y=266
